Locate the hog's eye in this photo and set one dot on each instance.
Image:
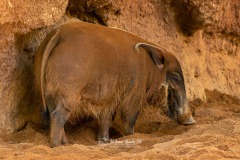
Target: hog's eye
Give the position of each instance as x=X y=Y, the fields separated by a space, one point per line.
x=176 y=77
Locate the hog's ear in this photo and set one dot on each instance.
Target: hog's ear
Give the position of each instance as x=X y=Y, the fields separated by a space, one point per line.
x=158 y=54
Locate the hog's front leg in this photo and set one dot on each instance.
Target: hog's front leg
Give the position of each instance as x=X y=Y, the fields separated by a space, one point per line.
x=129 y=120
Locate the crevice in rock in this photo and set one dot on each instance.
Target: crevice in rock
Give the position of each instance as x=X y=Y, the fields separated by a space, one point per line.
x=92 y=11
x=191 y=16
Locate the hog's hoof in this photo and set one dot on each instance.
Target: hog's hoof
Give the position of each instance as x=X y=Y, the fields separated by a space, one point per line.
x=103 y=140
x=187 y=121
x=56 y=144
x=129 y=132
x=52 y=145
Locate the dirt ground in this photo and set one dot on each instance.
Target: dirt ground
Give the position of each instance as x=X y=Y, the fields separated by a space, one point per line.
x=215 y=136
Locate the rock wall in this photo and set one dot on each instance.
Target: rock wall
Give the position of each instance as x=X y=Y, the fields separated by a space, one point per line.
x=205 y=36
x=18 y=18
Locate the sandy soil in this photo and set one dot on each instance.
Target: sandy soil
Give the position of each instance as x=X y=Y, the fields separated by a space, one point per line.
x=215 y=136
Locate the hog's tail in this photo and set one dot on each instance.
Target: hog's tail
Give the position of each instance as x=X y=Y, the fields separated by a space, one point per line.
x=46 y=53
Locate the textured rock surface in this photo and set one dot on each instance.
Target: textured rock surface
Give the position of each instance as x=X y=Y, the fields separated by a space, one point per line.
x=93 y=11
x=210 y=57
x=204 y=35
x=21 y=17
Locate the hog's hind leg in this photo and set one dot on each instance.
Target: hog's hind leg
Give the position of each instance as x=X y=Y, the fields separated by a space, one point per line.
x=104 y=123
x=58 y=118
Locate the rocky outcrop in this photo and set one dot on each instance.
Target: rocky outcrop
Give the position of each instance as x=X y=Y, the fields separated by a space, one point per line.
x=16 y=55
x=194 y=15
x=204 y=35
x=93 y=11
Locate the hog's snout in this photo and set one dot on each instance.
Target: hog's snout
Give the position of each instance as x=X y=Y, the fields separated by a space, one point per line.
x=182 y=116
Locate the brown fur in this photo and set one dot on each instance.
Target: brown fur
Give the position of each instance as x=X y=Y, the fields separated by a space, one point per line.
x=89 y=105
x=96 y=71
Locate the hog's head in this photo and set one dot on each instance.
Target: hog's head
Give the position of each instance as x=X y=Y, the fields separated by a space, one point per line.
x=178 y=108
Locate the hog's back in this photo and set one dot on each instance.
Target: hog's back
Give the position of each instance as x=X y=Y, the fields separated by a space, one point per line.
x=95 y=68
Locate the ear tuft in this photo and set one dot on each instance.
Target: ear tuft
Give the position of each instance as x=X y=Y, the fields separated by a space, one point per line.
x=157 y=53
